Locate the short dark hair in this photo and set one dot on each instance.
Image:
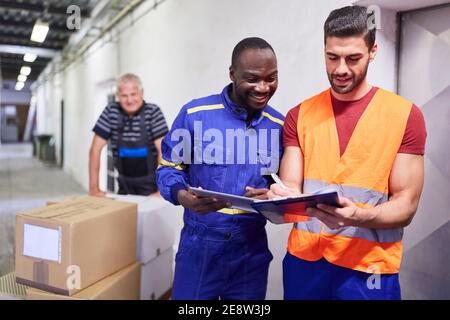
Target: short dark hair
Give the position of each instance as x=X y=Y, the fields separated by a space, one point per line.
x=350 y=21
x=248 y=43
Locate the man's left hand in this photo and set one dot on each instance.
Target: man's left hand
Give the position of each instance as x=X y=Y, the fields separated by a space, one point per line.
x=335 y=218
x=260 y=194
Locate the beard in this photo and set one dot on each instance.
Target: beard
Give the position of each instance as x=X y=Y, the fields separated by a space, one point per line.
x=355 y=81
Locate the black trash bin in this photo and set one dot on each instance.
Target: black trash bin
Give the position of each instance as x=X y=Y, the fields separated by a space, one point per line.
x=45 y=149
x=35 y=145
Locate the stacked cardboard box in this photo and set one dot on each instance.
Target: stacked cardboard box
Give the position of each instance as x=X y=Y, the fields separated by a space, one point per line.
x=122 y=285
x=159 y=225
x=157 y=276
x=68 y=246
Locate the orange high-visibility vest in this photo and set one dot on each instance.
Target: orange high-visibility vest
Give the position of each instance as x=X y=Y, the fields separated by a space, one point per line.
x=360 y=174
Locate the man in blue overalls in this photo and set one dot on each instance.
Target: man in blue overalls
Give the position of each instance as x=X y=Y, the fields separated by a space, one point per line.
x=135 y=130
x=227 y=142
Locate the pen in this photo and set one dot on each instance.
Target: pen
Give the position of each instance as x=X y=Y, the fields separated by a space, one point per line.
x=278 y=180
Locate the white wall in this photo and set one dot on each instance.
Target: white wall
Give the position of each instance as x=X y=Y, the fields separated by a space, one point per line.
x=48 y=104
x=84 y=101
x=182 y=50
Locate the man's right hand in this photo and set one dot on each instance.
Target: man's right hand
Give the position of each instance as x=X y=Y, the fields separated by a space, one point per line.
x=276 y=191
x=200 y=204
x=97 y=193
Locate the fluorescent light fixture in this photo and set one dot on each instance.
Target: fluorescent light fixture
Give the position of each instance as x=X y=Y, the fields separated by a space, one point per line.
x=25 y=70
x=19 y=86
x=21 y=78
x=40 y=31
x=29 y=57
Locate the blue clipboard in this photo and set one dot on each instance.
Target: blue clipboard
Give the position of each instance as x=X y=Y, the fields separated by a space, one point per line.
x=283 y=210
x=237 y=202
x=293 y=209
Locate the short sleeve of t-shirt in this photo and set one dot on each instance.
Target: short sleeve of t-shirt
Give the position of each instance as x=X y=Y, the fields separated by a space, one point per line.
x=415 y=133
x=102 y=126
x=154 y=119
x=158 y=123
x=290 y=137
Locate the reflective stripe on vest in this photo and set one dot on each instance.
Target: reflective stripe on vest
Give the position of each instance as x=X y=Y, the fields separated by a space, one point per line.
x=355 y=194
x=360 y=174
x=376 y=235
x=363 y=196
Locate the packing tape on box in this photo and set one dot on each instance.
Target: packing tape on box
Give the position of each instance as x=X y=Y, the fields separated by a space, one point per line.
x=41 y=279
x=40 y=272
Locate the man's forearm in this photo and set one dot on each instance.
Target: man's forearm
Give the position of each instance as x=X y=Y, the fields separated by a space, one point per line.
x=396 y=213
x=94 y=167
x=158 y=143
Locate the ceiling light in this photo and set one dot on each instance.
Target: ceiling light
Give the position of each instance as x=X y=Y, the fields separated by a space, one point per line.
x=25 y=70
x=19 y=86
x=40 y=31
x=29 y=57
x=21 y=78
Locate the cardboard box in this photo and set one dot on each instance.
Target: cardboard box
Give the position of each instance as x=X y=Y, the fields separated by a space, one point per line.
x=159 y=223
x=122 y=285
x=68 y=246
x=55 y=201
x=157 y=276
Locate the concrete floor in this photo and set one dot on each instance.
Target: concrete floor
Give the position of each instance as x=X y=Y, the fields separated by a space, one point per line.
x=26 y=183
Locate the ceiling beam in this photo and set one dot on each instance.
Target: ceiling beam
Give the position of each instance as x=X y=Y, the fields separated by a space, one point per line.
x=54 y=28
x=41 y=52
x=12 y=73
x=51 y=37
x=40 y=8
x=18 y=61
x=11 y=40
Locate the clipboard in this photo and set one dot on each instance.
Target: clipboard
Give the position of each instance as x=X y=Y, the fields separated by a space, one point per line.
x=237 y=202
x=278 y=211
x=293 y=209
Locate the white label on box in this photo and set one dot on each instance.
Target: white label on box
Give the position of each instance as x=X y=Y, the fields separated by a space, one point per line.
x=42 y=243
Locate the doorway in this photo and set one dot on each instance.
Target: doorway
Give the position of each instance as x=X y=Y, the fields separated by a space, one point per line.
x=424 y=78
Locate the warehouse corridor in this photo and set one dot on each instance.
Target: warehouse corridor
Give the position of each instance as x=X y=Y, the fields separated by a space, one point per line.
x=25 y=183
x=96 y=95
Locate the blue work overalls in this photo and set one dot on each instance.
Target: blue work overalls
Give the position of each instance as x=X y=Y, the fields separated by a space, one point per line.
x=221 y=254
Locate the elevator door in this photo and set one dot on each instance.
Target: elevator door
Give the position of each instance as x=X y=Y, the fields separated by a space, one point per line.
x=424 y=78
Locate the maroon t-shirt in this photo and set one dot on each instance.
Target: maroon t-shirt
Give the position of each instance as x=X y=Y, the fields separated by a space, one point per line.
x=347 y=114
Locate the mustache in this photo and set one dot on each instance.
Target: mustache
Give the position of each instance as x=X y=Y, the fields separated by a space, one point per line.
x=347 y=75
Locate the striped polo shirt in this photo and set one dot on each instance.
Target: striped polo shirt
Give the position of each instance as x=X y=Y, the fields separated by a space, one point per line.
x=107 y=125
